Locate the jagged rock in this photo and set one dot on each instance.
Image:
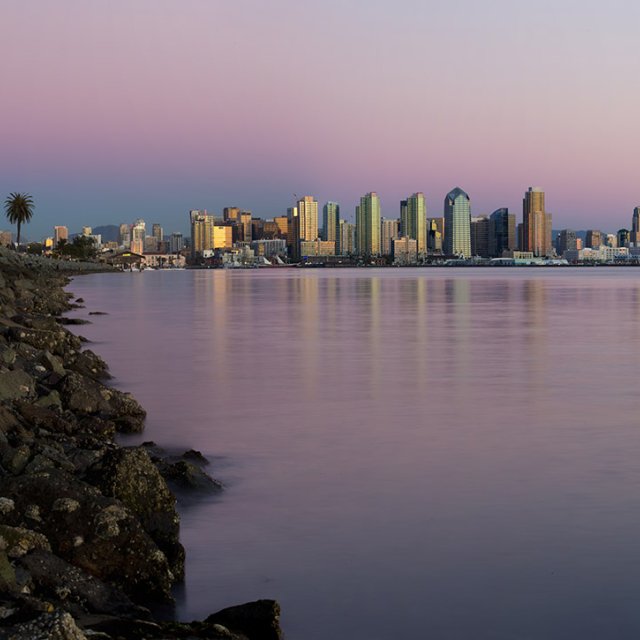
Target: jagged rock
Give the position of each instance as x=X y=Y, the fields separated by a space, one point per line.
x=16 y=541
x=58 y=625
x=130 y=476
x=186 y=475
x=53 y=578
x=259 y=620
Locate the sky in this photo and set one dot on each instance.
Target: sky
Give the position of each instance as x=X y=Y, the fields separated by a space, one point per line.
x=113 y=110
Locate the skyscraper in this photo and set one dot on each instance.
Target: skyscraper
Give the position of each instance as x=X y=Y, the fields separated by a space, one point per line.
x=138 y=234
x=415 y=224
x=60 y=233
x=502 y=232
x=308 y=214
x=368 y=225
x=536 y=223
x=330 y=221
x=346 y=238
x=457 y=223
x=201 y=231
x=480 y=236
x=634 y=236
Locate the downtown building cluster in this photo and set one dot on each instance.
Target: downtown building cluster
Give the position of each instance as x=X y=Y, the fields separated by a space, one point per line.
x=305 y=234
x=412 y=238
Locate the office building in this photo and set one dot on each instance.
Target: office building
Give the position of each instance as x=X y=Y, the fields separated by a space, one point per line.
x=138 y=234
x=435 y=235
x=623 y=237
x=201 y=232
x=480 y=236
x=414 y=224
x=536 y=223
x=176 y=242
x=457 y=223
x=330 y=221
x=634 y=236
x=404 y=251
x=368 y=225
x=308 y=218
x=502 y=232
x=567 y=241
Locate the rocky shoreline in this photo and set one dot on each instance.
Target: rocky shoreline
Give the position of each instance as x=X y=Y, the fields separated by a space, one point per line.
x=89 y=532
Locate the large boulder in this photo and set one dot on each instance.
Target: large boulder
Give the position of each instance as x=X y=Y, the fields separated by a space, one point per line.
x=130 y=476
x=259 y=620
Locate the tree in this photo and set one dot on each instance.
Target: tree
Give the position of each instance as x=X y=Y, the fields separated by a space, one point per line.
x=19 y=209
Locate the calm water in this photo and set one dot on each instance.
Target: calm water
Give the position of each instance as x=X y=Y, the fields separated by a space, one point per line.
x=436 y=453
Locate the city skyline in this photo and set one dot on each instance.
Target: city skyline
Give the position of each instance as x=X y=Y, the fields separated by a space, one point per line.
x=126 y=110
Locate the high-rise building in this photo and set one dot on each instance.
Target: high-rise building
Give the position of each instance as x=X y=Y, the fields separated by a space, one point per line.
x=330 y=221
x=60 y=233
x=368 y=225
x=502 y=232
x=567 y=241
x=282 y=223
x=388 y=232
x=201 y=232
x=138 y=234
x=593 y=239
x=536 y=223
x=308 y=214
x=404 y=250
x=457 y=223
x=245 y=221
x=346 y=238
x=176 y=242
x=124 y=236
x=86 y=231
x=156 y=232
x=415 y=220
x=293 y=233
x=623 y=237
x=634 y=236
x=480 y=236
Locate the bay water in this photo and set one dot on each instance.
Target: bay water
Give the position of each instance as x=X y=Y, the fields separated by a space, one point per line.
x=407 y=453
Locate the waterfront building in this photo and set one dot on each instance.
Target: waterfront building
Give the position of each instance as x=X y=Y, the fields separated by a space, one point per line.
x=634 y=235
x=308 y=218
x=156 y=232
x=404 y=250
x=502 y=232
x=368 y=225
x=346 y=238
x=414 y=224
x=457 y=223
x=536 y=223
x=567 y=241
x=150 y=245
x=201 y=232
x=222 y=236
x=6 y=238
x=86 y=231
x=388 y=231
x=330 y=221
x=270 y=247
x=60 y=233
x=293 y=233
x=623 y=237
x=480 y=236
x=611 y=240
x=593 y=239
x=317 y=248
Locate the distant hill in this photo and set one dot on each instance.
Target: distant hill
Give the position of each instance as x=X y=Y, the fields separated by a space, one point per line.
x=109 y=232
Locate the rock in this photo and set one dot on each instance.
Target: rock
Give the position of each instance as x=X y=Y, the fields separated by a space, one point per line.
x=72 y=321
x=6 y=506
x=16 y=384
x=58 y=625
x=53 y=578
x=98 y=313
x=259 y=620
x=8 y=582
x=195 y=456
x=16 y=542
x=186 y=475
x=130 y=476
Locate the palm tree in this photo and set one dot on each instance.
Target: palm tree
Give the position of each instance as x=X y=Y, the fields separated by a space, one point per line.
x=19 y=209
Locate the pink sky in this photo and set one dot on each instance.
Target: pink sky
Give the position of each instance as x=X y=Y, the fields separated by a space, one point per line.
x=113 y=110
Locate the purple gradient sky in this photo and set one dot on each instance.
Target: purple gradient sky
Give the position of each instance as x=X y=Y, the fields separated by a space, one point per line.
x=115 y=109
